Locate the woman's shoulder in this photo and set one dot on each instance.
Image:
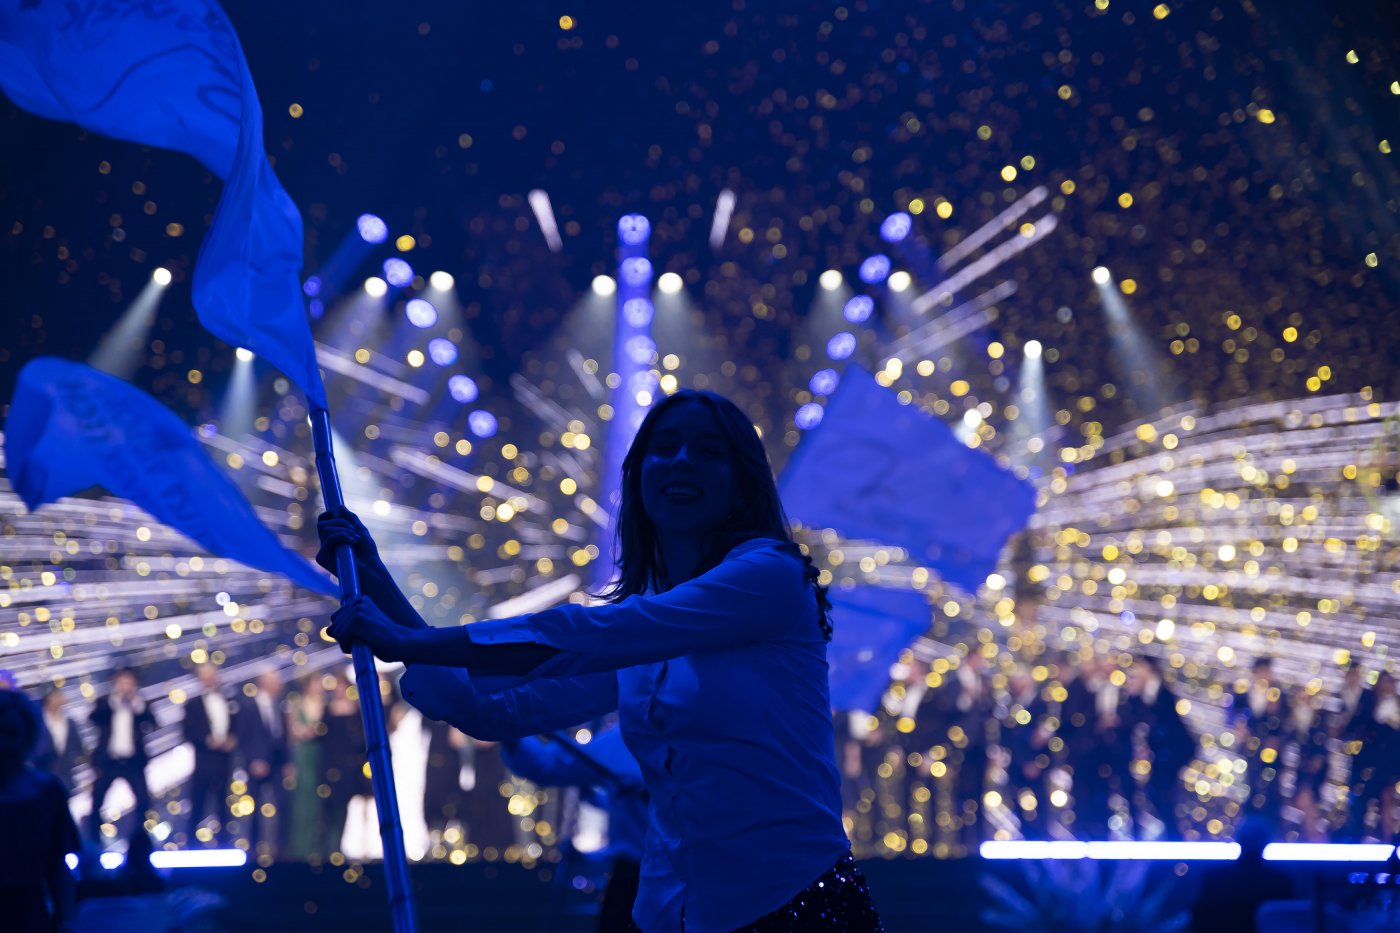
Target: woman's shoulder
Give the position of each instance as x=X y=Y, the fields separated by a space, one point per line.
x=764 y=549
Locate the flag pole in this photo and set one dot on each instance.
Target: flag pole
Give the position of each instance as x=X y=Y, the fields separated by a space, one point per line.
x=371 y=706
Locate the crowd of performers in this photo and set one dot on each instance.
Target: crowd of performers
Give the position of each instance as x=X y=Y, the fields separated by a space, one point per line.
x=277 y=767
x=1099 y=748
x=957 y=752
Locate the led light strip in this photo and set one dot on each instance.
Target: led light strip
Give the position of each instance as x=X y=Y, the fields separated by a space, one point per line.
x=1181 y=851
x=189 y=858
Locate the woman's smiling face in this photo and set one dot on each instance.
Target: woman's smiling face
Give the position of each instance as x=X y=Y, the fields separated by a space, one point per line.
x=687 y=471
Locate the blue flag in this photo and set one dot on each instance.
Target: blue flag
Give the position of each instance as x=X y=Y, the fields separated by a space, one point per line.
x=876 y=469
x=71 y=427
x=870 y=626
x=171 y=73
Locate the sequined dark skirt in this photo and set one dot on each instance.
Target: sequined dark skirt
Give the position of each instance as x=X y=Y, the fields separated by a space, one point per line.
x=838 y=901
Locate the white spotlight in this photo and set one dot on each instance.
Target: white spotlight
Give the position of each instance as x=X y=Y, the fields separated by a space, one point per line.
x=442 y=281
x=244 y=354
x=724 y=210
x=899 y=281
x=161 y=276
x=1033 y=349
x=604 y=285
x=831 y=279
x=544 y=214
x=1101 y=275
x=670 y=283
x=375 y=287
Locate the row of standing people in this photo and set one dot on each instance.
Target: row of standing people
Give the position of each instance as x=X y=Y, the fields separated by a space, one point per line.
x=280 y=769
x=1094 y=750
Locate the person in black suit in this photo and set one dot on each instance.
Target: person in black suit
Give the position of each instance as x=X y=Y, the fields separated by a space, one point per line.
x=211 y=726
x=60 y=747
x=1166 y=742
x=1260 y=716
x=123 y=721
x=1377 y=731
x=262 y=738
x=1093 y=717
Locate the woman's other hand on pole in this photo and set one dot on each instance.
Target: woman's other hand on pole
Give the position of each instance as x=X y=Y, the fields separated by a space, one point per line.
x=343 y=528
x=360 y=621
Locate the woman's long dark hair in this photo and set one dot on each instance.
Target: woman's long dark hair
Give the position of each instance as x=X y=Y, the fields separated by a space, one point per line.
x=757 y=510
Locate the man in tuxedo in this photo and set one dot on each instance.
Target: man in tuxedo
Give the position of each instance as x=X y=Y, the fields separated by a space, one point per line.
x=262 y=738
x=1165 y=742
x=60 y=747
x=1094 y=713
x=211 y=726
x=1260 y=716
x=123 y=721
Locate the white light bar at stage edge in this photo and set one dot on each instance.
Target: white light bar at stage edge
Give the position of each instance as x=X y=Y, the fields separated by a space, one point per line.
x=188 y=858
x=1181 y=851
x=1074 y=849
x=1327 y=852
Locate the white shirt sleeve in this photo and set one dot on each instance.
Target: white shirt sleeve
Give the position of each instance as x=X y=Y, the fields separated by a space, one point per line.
x=758 y=593
x=450 y=695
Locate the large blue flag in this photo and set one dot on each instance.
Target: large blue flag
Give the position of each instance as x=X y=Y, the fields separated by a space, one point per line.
x=71 y=427
x=171 y=73
x=870 y=626
x=876 y=469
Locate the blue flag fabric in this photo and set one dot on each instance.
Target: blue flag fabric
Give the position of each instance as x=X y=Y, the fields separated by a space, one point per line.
x=171 y=73
x=876 y=469
x=71 y=427
x=870 y=626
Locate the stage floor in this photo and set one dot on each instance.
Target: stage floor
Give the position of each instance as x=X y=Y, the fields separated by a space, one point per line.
x=912 y=894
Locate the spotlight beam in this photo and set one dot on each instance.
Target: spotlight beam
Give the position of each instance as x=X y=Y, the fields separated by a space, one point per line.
x=544 y=215
x=960 y=321
x=590 y=381
x=416 y=461
x=123 y=348
x=536 y=599
x=345 y=365
x=724 y=211
x=991 y=228
x=545 y=408
x=974 y=271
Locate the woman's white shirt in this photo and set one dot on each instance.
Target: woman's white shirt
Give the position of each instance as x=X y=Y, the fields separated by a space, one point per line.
x=721 y=687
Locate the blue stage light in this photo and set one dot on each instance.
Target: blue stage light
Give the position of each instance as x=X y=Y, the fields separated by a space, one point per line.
x=421 y=312
x=397 y=272
x=372 y=229
x=482 y=423
x=442 y=351
x=859 y=309
x=824 y=382
x=638 y=312
x=463 y=389
x=841 y=346
x=809 y=416
x=633 y=229
x=641 y=349
x=312 y=286
x=896 y=227
x=875 y=269
x=636 y=271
